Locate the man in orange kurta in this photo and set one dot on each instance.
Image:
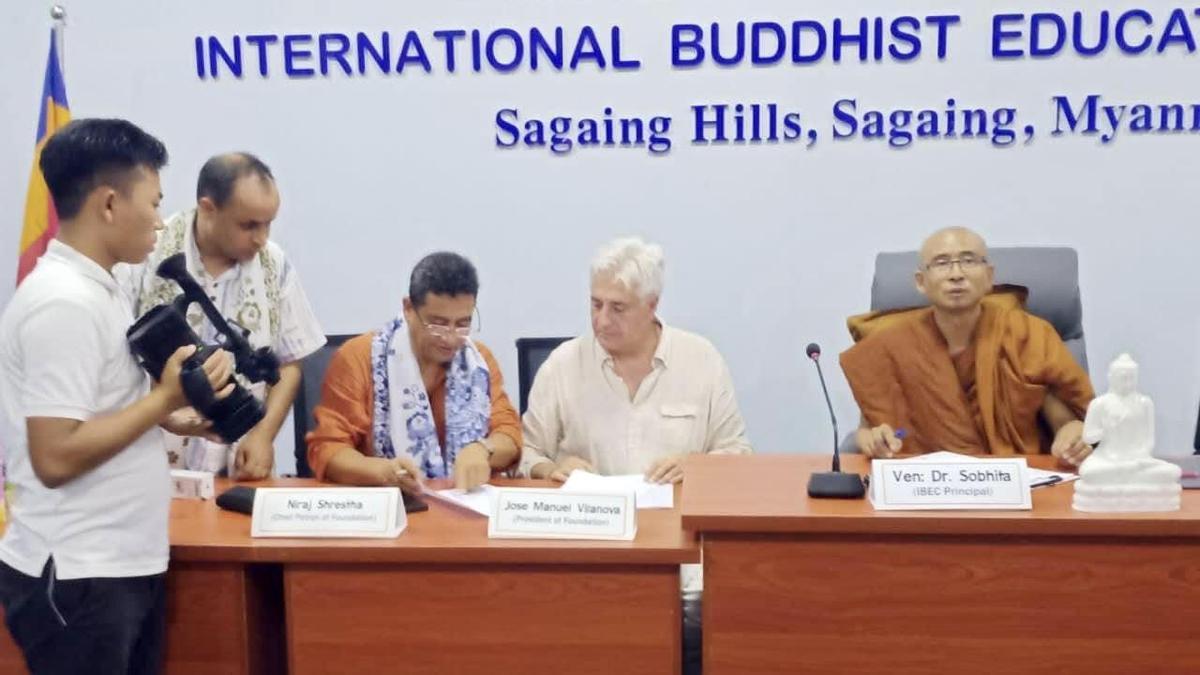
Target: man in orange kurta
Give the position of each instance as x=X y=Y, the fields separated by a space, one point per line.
x=436 y=323
x=972 y=373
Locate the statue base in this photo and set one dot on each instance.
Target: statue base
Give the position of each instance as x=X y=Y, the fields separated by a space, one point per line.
x=1130 y=498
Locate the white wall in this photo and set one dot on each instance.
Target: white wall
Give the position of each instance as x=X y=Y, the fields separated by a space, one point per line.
x=769 y=247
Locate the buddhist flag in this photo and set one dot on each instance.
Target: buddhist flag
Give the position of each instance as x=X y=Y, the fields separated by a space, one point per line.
x=41 y=222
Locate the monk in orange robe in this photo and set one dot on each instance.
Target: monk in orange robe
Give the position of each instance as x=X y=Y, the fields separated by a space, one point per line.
x=972 y=373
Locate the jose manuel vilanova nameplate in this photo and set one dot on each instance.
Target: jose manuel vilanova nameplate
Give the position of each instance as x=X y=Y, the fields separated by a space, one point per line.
x=328 y=512
x=535 y=513
x=971 y=484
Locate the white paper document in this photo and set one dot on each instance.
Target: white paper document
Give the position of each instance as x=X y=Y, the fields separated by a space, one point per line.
x=648 y=495
x=1036 y=477
x=478 y=500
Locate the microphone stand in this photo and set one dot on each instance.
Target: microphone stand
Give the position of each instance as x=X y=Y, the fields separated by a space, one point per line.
x=832 y=484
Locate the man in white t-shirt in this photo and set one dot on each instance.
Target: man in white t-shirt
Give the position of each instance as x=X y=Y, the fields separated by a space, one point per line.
x=82 y=561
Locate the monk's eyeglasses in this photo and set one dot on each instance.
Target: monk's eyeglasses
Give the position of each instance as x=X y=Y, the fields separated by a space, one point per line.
x=967 y=263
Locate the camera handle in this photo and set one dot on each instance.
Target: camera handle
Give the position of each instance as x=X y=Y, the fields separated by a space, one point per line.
x=195 y=382
x=257 y=366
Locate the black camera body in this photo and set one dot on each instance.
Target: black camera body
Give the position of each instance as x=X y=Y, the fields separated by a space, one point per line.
x=164 y=329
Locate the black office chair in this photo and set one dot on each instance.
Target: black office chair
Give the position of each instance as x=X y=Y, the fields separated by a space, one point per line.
x=1050 y=273
x=312 y=377
x=1196 y=443
x=531 y=354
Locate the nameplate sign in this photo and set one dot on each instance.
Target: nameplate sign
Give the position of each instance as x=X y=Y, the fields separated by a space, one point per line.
x=915 y=485
x=535 y=513
x=328 y=512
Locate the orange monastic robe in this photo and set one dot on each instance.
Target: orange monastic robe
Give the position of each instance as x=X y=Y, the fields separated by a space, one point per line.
x=902 y=375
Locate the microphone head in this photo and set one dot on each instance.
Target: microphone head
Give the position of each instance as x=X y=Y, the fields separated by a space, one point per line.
x=813 y=350
x=174 y=268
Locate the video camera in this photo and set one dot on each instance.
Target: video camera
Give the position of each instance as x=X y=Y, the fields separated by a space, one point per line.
x=164 y=329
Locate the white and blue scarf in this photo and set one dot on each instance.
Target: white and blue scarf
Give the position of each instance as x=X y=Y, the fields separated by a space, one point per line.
x=403 y=420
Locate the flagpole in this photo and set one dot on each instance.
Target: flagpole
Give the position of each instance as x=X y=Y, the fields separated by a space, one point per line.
x=59 y=14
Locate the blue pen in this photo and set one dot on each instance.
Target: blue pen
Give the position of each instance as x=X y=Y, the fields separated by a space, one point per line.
x=900 y=434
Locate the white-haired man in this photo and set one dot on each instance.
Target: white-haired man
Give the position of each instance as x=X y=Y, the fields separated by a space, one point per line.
x=636 y=396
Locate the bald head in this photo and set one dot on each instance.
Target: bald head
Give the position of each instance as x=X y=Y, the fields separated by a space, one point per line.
x=952 y=241
x=954 y=272
x=221 y=173
x=236 y=202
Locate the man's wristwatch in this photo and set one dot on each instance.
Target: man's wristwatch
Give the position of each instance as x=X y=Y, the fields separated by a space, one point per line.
x=487 y=443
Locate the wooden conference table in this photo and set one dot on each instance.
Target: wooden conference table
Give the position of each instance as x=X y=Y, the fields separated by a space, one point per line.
x=795 y=585
x=441 y=598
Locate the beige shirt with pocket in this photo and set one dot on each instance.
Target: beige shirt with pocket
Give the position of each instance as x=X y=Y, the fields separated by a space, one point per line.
x=579 y=406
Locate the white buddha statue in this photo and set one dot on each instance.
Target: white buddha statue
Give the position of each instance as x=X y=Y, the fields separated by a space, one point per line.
x=1121 y=474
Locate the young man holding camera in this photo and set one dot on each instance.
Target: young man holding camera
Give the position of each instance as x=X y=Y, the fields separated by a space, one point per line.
x=82 y=561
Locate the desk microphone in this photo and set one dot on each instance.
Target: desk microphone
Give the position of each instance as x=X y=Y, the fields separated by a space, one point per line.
x=833 y=483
